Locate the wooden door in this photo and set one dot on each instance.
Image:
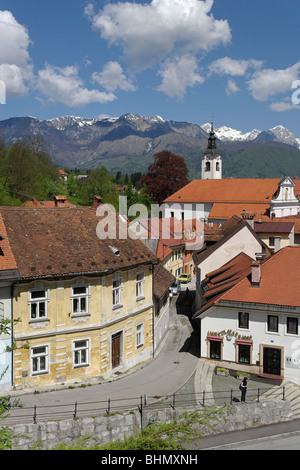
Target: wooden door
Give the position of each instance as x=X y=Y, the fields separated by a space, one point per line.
x=116 y=349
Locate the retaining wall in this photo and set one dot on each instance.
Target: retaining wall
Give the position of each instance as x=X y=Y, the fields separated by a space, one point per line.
x=107 y=429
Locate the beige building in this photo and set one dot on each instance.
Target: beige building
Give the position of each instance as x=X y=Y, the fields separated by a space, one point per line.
x=86 y=306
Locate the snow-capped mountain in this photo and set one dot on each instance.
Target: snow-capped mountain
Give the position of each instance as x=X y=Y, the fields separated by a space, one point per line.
x=131 y=140
x=276 y=134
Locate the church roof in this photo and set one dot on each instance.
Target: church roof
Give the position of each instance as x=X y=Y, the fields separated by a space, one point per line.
x=233 y=190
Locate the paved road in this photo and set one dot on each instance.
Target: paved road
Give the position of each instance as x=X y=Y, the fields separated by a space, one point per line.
x=281 y=436
x=164 y=375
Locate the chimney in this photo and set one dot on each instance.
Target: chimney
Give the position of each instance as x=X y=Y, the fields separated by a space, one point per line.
x=249 y=217
x=255 y=274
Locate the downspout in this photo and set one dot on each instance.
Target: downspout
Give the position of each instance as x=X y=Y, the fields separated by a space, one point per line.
x=12 y=333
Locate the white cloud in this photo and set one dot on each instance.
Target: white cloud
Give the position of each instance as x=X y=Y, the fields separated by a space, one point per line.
x=281 y=106
x=228 y=66
x=16 y=69
x=178 y=75
x=150 y=32
x=63 y=85
x=231 y=87
x=268 y=82
x=113 y=78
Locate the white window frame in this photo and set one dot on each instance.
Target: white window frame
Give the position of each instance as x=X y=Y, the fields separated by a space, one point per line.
x=38 y=301
x=140 y=335
x=117 y=292
x=35 y=360
x=78 y=297
x=139 y=284
x=78 y=350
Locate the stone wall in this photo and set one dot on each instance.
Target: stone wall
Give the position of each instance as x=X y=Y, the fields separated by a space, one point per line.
x=107 y=429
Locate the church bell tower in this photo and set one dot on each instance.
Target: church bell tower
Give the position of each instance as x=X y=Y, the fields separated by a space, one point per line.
x=211 y=160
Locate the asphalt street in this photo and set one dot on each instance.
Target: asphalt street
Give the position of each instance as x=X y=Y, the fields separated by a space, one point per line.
x=164 y=375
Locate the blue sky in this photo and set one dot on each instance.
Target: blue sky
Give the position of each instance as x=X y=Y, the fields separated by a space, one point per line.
x=184 y=60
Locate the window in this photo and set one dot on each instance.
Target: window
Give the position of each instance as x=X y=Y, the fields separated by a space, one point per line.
x=38 y=304
x=217 y=166
x=116 y=291
x=139 y=336
x=207 y=166
x=215 y=350
x=292 y=325
x=81 y=353
x=244 y=353
x=140 y=284
x=271 y=241
x=39 y=360
x=273 y=323
x=244 y=320
x=80 y=300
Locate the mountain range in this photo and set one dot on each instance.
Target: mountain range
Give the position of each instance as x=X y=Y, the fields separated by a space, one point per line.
x=128 y=142
x=276 y=134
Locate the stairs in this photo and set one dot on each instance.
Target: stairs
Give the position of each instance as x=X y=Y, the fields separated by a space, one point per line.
x=291 y=393
x=203 y=382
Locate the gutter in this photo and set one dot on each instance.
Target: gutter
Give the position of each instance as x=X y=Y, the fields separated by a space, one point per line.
x=258 y=306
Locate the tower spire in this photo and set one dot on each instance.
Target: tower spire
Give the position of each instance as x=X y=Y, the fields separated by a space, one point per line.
x=212 y=144
x=211 y=160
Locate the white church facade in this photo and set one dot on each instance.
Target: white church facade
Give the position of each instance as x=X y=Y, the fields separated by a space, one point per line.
x=215 y=199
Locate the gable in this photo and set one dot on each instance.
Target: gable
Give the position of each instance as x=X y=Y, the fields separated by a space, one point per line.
x=243 y=241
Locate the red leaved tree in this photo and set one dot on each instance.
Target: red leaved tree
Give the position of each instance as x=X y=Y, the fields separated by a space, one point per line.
x=165 y=176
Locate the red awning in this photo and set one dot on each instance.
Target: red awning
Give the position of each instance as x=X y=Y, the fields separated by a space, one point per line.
x=249 y=342
x=215 y=338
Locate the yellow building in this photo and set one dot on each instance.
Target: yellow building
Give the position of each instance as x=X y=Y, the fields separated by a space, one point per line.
x=276 y=234
x=85 y=304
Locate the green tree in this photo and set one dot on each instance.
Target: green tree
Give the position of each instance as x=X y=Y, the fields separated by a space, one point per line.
x=98 y=183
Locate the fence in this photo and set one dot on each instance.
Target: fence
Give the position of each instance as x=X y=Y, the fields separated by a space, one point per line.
x=43 y=413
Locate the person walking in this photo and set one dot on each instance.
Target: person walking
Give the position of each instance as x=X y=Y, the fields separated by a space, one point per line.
x=243 y=388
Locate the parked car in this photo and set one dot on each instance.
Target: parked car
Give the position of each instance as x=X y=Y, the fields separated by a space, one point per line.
x=175 y=288
x=185 y=278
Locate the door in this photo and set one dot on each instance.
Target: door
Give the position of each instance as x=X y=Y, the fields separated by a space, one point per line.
x=116 y=349
x=272 y=361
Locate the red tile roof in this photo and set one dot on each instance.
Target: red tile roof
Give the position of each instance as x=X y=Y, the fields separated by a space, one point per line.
x=279 y=285
x=225 y=211
x=47 y=242
x=59 y=201
x=219 y=281
x=227 y=191
x=7 y=259
x=163 y=279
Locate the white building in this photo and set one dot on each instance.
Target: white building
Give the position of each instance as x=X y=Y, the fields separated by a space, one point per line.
x=250 y=315
x=211 y=161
